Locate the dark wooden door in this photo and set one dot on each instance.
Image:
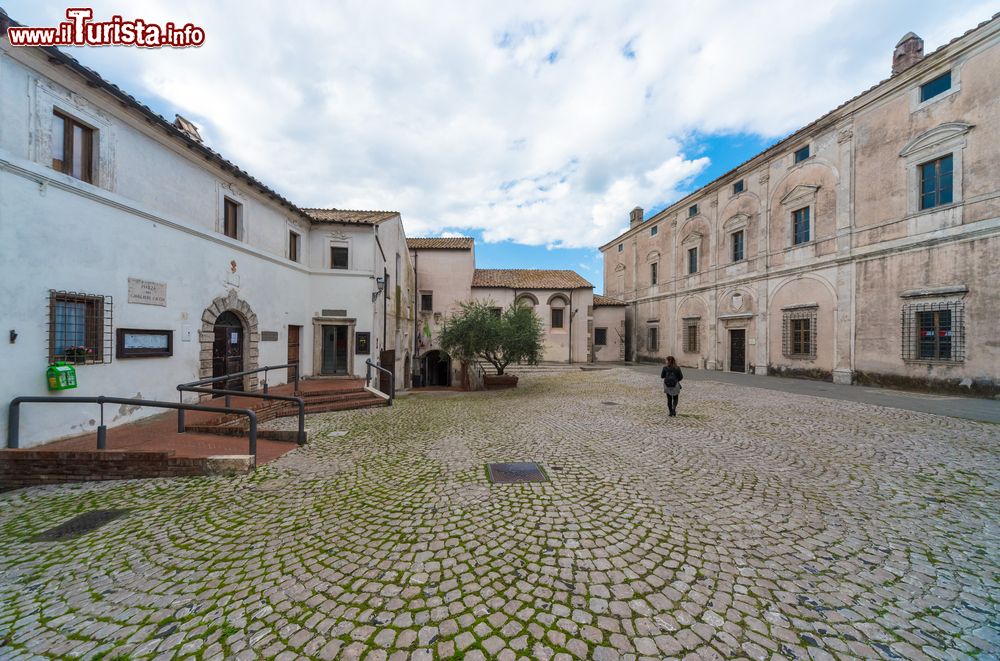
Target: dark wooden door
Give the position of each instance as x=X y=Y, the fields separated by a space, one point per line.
x=293 y=351
x=737 y=350
x=227 y=351
x=386 y=360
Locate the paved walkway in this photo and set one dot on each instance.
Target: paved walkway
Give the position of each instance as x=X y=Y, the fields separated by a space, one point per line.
x=758 y=524
x=970 y=408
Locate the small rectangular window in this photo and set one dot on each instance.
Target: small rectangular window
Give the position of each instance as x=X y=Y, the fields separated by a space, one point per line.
x=231 y=218
x=692 y=210
x=600 y=337
x=801 y=154
x=557 y=317
x=932 y=88
x=497 y=312
x=79 y=328
x=621 y=247
x=652 y=273
x=293 y=246
x=427 y=302
x=798 y=331
x=934 y=331
x=338 y=258
x=738 y=187
x=692 y=260
x=654 y=230
x=72 y=147
x=936 y=183
x=800 y=226
x=654 y=338
x=738 y=246
x=690 y=340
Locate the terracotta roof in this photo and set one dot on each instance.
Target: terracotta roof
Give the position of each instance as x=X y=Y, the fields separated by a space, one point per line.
x=529 y=279
x=606 y=301
x=785 y=142
x=442 y=243
x=349 y=216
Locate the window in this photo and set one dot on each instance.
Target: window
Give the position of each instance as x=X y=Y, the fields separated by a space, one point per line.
x=79 y=328
x=231 y=218
x=936 y=182
x=293 y=245
x=800 y=154
x=557 y=317
x=690 y=336
x=652 y=273
x=621 y=247
x=600 y=337
x=800 y=226
x=72 y=147
x=737 y=239
x=654 y=338
x=497 y=312
x=692 y=260
x=692 y=210
x=932 y=88
x=427 y=302
x=934 y=331
x=654 y=230
x=738 y=187
x=338 y=258
x=798 y=332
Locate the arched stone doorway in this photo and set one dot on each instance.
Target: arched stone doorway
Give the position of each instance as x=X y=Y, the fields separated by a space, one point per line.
x=437 y=369
x=227 y=350
x=237 y=313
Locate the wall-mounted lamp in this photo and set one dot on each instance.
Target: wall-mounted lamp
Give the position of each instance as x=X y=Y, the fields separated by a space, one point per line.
x=380 y=283
x=13 y=336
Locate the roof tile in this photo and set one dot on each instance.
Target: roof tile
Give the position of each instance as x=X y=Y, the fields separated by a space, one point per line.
x=529 y=279
x=606 y=301
x=441 y=243
x=349 y=216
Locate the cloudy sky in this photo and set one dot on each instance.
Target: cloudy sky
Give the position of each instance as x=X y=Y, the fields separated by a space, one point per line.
x=533 y=126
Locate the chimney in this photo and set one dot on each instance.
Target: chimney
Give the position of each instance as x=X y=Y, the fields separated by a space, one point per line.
x=635 y=217
x=909 y=51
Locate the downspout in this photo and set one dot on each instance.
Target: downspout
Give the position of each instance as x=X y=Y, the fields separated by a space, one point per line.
x=385 y=285
x=416 y=319
x=571 y=313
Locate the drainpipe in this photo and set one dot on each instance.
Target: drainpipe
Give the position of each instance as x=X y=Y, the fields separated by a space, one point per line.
x=385 y=289
x=416 y=302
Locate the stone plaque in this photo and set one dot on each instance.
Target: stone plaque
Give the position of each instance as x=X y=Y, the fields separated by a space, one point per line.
x=334 y=313
x=146 y=292
x=269 y=336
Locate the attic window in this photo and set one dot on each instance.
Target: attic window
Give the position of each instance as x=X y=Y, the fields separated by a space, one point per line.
x=933 y=88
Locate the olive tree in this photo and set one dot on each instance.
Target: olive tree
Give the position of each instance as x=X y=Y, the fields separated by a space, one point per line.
x=480 y=330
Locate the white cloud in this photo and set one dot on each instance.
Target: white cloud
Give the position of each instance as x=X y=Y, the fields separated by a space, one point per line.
x=541 y=123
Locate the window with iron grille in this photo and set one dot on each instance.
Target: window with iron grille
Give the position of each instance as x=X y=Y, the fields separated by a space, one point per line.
x=800 y=226
x=690 y=337
x=936 y=182
x=798 y=333
x=652 y=273
x=654 y=338
x=72 y=147
x=557 y=317
x=934 y=331
x=79 y=328
x=692 y=260
x=338 y=257
x=737 y=246
x=427 y=302
x=600 y=337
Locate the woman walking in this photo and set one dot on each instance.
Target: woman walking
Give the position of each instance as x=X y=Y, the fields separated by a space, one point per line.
x=672 y=376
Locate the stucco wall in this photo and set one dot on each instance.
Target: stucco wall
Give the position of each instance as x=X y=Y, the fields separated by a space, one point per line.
x=612 y=318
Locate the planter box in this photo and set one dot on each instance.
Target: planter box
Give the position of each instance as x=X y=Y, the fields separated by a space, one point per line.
x=494 y=382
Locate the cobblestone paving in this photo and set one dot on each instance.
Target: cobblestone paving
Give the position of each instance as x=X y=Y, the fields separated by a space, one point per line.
x=757 y=524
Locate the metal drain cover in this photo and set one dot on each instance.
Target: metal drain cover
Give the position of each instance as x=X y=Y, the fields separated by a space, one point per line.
x=522 y=471
x=79 y=525
x=610 y=403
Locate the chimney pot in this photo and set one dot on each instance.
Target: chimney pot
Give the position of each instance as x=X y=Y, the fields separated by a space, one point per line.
x=909 y=51
x=635 y=217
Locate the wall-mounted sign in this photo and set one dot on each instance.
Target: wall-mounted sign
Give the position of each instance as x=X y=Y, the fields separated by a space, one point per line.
x=269 y=336
x=146 y=292
x=144 y=343
x=362 y=343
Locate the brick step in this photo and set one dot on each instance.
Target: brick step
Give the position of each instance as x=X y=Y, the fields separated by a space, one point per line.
x=283 y=436
x=316 y=398
x=327 y=407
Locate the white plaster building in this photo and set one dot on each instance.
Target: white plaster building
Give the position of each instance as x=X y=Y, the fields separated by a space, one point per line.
x=129 y=247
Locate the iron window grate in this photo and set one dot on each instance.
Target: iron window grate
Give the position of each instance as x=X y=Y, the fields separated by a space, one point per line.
x=79 y=328
x=690 y=337
x=933 y=331
x=798 y=333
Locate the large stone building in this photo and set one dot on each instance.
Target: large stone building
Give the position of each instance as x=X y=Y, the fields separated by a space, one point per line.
x=864 y=247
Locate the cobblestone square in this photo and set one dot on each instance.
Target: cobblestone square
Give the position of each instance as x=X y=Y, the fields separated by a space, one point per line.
x=757 y=524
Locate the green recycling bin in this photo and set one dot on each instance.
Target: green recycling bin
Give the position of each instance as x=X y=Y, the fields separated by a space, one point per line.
x=61 y=376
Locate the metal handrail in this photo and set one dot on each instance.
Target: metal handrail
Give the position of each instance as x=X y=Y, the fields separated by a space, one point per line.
x=299 y=401
x=226 y=377
x=14 y=415
x=392 y=379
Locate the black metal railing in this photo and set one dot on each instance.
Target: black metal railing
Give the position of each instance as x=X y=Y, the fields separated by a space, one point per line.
x=202 y=386
x=14 y=415
x=392 y=379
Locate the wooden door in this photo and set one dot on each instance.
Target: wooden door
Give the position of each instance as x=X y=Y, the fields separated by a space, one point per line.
x=737 y=350
x=387 y=360
x=293 y=352
x=227 y=351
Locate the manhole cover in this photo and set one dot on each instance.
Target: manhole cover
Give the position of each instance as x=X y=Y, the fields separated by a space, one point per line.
x=610 y=403
x=522 y=471
x=79 y=525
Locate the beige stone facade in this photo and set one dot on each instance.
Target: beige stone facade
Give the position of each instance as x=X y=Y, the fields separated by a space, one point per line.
x=822 y=257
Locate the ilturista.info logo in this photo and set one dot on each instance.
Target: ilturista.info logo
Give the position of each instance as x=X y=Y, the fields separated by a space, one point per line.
x=81 y=30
